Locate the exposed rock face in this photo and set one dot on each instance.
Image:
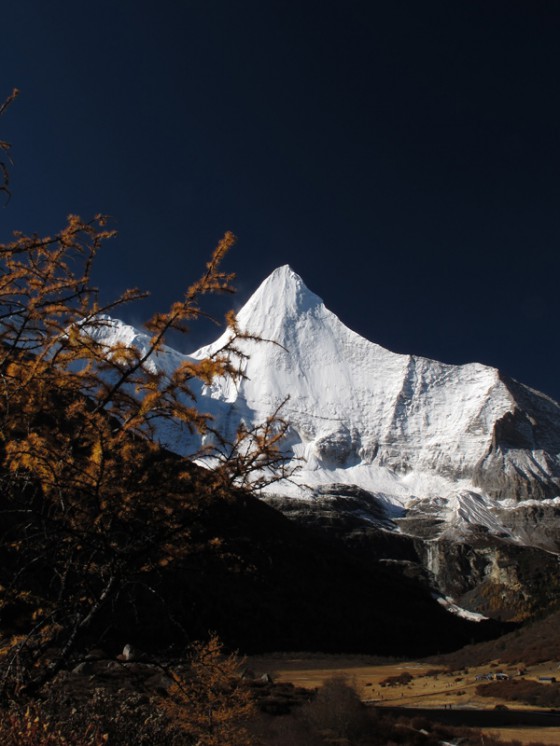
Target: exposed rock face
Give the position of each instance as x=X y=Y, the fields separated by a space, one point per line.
x=535 y=524
x=492 y=576
x=522 y=461
x=481 y=571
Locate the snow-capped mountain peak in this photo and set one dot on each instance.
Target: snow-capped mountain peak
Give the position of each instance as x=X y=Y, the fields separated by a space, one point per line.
x=359 y=413
x=404 y=428
x=284 y=294
x=400 y=426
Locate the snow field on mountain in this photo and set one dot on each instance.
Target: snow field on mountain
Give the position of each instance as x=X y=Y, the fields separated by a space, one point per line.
x=393 y=424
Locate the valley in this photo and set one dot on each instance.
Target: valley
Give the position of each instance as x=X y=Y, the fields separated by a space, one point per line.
x=420 y=689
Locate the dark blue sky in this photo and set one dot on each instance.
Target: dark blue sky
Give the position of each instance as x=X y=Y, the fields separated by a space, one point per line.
x=402 y=156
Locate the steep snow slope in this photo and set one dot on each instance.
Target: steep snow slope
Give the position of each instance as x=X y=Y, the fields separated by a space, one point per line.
x=399 y=426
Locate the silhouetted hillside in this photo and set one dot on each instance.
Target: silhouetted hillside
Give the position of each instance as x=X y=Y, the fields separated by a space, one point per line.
x=535 y=642
x=263 y=583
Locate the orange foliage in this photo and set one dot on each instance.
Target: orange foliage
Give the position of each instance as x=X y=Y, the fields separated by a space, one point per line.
x=88 y=501
x=210 y=702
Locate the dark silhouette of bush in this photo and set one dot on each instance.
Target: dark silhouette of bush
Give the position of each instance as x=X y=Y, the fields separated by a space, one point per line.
x=337 y=711
x=402 y=679
x=537 y=641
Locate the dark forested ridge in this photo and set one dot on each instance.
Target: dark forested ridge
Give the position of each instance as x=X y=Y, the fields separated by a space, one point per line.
x=262 y=583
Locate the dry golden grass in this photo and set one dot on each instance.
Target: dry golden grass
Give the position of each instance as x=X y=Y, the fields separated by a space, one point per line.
x=437 y=690
x=526 y=735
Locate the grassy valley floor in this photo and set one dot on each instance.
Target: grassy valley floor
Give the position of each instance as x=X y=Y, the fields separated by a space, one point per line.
x=417 y=685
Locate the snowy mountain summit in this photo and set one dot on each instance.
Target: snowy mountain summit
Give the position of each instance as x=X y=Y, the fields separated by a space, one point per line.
x=462 y=445
x=399 y=426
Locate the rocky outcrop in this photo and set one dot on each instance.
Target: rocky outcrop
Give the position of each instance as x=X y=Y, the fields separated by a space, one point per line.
x=535 y=523
x=479 y=570
x=492 y=576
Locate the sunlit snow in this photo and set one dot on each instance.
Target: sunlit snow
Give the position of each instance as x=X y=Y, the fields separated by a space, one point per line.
x=408 y=429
